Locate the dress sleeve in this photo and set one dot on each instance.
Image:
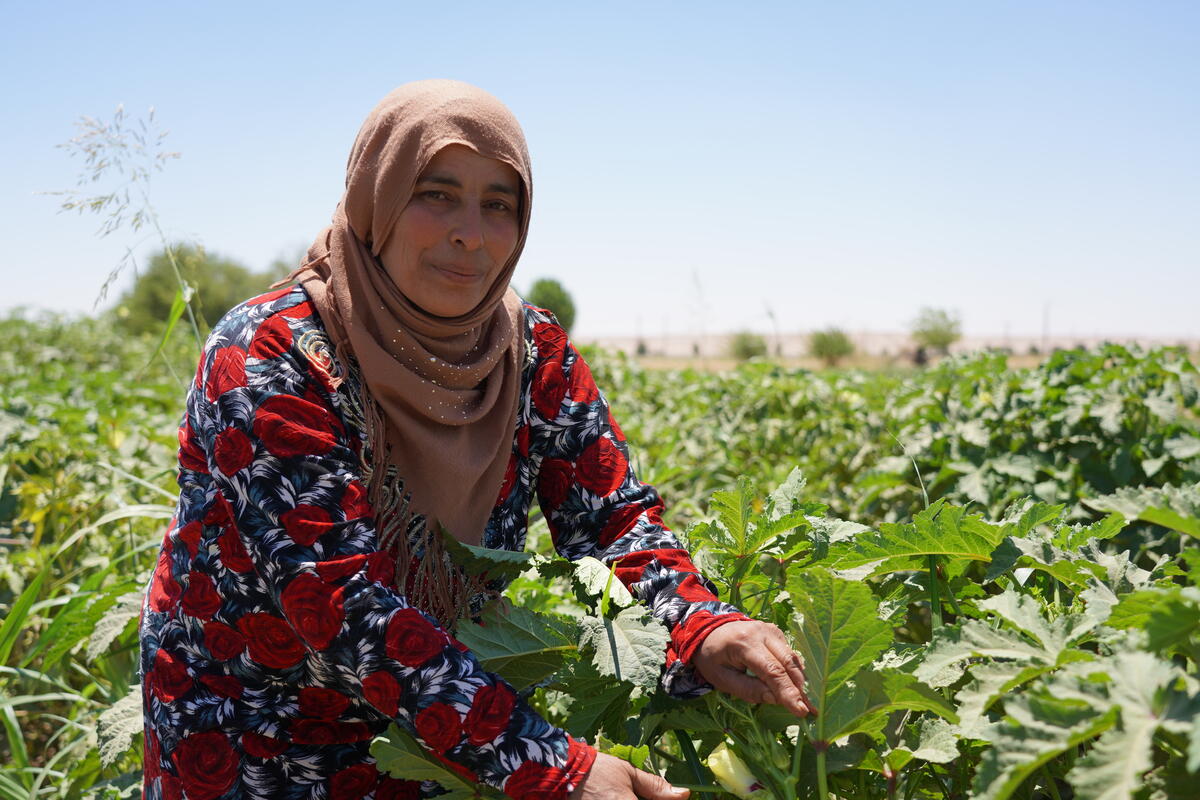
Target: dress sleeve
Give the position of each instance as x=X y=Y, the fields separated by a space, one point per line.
x=284 y=464
x=596 y=506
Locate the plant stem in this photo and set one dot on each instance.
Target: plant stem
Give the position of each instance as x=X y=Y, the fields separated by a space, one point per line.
x=822 y=782
x=1051 y=784
x=689 y=753
x=935 y=603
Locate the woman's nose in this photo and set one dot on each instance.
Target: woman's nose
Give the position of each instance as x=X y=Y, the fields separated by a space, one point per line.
x=468 y=229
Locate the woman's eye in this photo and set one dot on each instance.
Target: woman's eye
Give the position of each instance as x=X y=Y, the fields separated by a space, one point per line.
x=435 y=194
x=498 y=205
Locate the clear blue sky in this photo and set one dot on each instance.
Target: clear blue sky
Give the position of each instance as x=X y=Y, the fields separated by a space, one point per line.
x=845 y=163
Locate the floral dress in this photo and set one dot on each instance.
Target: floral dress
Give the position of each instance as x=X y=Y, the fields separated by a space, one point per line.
x=274 y=642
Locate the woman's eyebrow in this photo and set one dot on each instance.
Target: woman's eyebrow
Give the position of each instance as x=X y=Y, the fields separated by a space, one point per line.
x=447 y=180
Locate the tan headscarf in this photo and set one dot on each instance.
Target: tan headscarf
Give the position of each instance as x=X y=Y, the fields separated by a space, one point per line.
x=441 y=392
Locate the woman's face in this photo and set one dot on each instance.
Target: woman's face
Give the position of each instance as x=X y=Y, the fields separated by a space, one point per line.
x=456 y=233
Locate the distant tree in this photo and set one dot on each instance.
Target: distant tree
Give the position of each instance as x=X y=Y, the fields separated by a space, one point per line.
x=830 y=345
x=936 y=329
x=549 y=294
x=746 y=345
x=285 y=263
x=218 y=283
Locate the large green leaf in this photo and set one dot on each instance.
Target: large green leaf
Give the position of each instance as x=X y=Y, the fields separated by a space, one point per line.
x=522 y=646
x=119 y=724
x=838 y=633
x=629 y=647
x=862 y=705
x=1138 y=688
x=1124 y=699
x=837 y=629
x=1027 y=645
x=942 y=530
x=496 y=564
x=594 y=578
x=598 y=703
x=400 y=755
x=1169 y=616
x=1035 y=729
x=1174 y=507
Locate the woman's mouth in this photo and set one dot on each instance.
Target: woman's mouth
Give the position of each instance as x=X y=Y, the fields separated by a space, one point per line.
x=455 y=275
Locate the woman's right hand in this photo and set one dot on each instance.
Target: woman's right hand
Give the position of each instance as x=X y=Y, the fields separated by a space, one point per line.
x=610 y=778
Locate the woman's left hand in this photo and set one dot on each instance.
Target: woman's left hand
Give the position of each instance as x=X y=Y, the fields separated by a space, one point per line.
x=778 y=673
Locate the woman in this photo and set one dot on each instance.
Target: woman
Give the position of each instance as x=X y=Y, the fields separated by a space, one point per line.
x=301 y=600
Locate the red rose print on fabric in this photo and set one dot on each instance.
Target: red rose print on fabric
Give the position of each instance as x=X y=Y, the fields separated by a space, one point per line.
x=691 y=590
x=272 y=339
x=411 y=639
x=169 y=678
x=222 y=641
x=223 y=685
x=270 y=640
x=381 y=568
x=191 y=456
x=200 y=598
x=534 y=781
x=555 y=481
x=306 y=523
x=353 y=783
x=260 y=746
x=232 y=451
x=396 y=789
x=164 y=591
x=551 y=341
x=289 y=426
x=233 y=552
x=490 y=713
x=523 y=439
x=301 y=310
x=315 y=608
x=619 y=522
x=602 y=467
x=583 y=385
x=322 y=703
x=354 y=501
x=338 y=569
x=228 y=371
x=382 y=690
x=549 y=388
x=207 y=765
x=439 y=726
x=190 y=535
x=320 y=731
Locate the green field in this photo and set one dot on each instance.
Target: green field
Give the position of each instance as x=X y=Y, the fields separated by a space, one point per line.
x=990 y=571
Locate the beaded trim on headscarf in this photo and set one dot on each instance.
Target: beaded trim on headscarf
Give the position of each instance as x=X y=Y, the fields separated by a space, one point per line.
x=425 y=571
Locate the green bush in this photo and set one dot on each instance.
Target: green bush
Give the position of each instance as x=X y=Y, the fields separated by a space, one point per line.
x=218 y=284
x=937 y=329
x=746 y=345
x=830 y=345
x=549 y=294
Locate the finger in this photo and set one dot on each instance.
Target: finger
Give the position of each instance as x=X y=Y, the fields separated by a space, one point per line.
x=742 y=686
x=792 y=663
x=770 y=671
x=649 y=786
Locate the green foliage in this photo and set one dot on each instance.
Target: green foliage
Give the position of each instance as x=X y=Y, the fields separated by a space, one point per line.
x=217 y=284
x=1037 y=624
x=936 y=328
x=549 y=294
x=745 y=345
x=830 y=345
